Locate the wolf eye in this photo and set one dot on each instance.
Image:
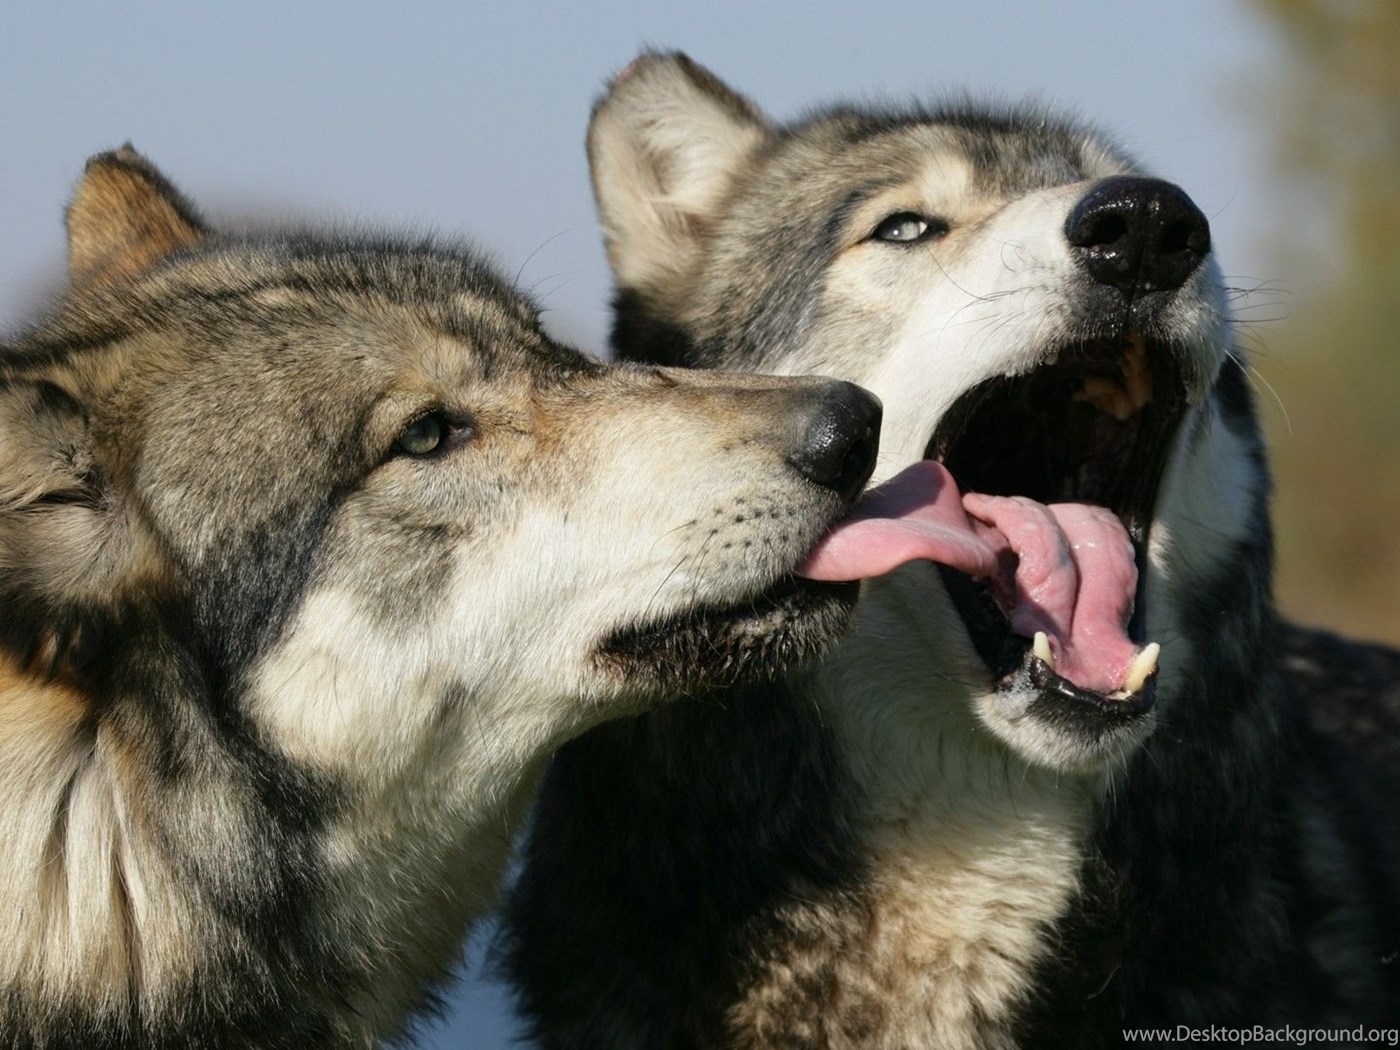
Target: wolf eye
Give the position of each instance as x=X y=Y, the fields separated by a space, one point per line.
x=427 y=434
x=906 y=227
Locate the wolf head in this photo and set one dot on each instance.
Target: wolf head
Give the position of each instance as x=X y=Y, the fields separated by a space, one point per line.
x=1040 y=318
x=310 y=551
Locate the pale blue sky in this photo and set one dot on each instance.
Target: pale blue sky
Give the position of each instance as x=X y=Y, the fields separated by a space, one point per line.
x=467 y=117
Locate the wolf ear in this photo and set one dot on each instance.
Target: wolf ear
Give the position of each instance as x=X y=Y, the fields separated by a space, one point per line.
x=125 y=217
x=663 y=145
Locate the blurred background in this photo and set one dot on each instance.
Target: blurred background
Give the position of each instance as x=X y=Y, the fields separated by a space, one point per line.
x=1280 y=117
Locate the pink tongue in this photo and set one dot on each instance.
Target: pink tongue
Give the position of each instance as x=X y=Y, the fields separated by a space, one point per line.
x=1066 y=569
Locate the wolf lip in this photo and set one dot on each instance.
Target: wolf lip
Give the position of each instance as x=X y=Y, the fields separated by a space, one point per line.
x=1044 y=557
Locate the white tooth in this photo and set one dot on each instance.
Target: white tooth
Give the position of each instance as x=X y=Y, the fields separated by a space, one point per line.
x=1041 y=647
x=1144 y=663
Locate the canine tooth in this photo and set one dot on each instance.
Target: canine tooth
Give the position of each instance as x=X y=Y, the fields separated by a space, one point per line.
x=1041 y=647
x=1144 y=663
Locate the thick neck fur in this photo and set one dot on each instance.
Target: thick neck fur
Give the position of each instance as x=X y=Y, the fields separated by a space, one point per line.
x=920 y=886
x=832 y=866
x=168 y=881
x=974 y=853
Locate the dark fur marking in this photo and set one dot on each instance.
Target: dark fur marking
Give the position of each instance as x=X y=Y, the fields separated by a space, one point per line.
x=640 y=335
x=244 y=600
x=771 y=813
x=1236 y=402
x=718 y=646
x=314 y=265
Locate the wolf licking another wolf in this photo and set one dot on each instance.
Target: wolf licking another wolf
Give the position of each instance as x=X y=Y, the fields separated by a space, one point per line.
x=311 y=550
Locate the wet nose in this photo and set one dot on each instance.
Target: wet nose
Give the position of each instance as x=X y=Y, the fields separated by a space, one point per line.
x=840 y=439
x=1138 y=235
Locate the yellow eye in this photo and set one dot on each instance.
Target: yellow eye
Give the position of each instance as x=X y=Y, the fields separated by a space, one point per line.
x=423 y=435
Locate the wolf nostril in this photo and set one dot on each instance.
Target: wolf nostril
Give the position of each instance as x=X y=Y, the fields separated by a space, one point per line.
x=1105 y=230
x=1186 y=235
x=1138 y=235
x=840 y=439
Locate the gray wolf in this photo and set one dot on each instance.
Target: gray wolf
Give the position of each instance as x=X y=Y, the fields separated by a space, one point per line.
x=995 y=815
x=311 y=550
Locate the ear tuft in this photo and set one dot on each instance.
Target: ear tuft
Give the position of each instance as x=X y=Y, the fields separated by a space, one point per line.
x=125 y=217
x=664 y=144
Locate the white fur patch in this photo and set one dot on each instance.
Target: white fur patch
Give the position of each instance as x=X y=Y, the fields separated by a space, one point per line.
x=77 y=872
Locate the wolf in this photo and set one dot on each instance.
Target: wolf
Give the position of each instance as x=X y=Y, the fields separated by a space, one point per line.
x=1069 y=774
x=312 y=548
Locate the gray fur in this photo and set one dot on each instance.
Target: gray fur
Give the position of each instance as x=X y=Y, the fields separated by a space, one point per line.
x=277 y=672
x=938 y=875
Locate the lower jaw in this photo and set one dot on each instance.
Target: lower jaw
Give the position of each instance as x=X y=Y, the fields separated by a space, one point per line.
x=718 y=646
x=1065 y=737
x=1017 y=673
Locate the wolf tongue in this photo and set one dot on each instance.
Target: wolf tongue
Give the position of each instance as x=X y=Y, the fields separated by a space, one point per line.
x=1066 y=570
x=917 y=514
x=1075 y=580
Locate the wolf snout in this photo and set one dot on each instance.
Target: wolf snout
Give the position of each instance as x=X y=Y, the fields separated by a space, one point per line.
x=838 y=439
x=1138 y=235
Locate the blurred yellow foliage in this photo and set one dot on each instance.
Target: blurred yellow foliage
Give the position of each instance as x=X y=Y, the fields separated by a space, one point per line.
x=1335 y=361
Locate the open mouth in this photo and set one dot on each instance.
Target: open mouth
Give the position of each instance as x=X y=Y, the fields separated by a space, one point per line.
x=1035 y=499
x=1090 y=427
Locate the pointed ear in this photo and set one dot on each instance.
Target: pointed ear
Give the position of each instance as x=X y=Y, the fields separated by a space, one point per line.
x=125 y=217
x=664 y=144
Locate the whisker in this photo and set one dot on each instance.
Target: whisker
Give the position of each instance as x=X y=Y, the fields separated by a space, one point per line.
x=539 y=248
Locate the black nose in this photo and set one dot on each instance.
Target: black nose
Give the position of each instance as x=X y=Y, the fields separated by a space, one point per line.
x=838 y=446
x=1138 y=235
